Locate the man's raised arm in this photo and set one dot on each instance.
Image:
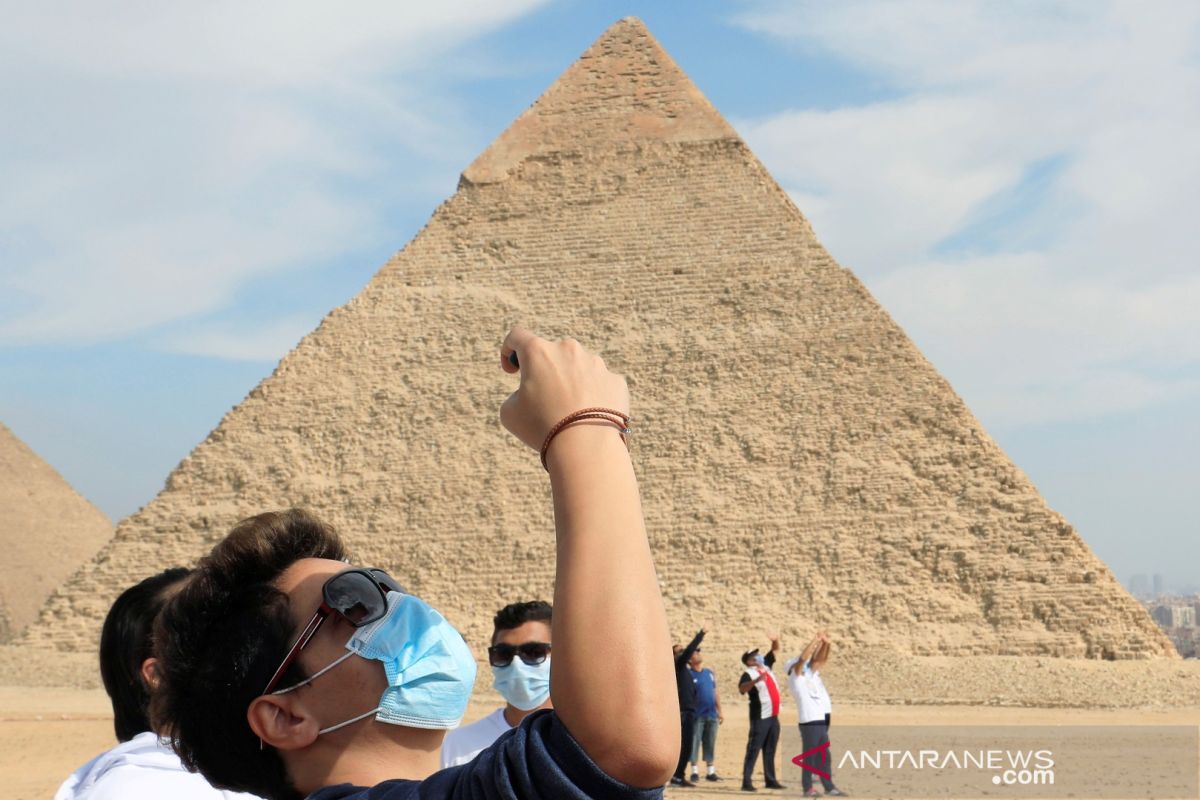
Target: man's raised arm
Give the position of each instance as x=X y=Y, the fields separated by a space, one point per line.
x=686 y=653
x=822 y=654
x=806 y=654
x=611 y=641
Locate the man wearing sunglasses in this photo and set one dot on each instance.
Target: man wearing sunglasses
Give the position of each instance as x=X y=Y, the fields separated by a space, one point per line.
x=288 y=673
x=520 y=660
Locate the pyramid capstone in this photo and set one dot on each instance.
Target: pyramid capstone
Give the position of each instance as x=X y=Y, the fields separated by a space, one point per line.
x=801 y=462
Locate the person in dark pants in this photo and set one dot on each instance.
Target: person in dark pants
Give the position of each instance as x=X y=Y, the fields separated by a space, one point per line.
x=815 y=709
x=758 y=683
x=687 y=704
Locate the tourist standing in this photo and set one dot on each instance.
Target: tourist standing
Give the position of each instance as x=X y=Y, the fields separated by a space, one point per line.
x=759 y=685
x=142 y=764
x=687 y=704
x=520 y=659
x=816 y=713
x=708 y=717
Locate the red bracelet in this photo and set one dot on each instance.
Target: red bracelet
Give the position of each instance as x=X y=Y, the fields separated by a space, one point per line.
x=605 y=414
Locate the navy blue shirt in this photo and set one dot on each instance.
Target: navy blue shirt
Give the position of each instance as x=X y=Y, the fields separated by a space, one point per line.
x=537 y=760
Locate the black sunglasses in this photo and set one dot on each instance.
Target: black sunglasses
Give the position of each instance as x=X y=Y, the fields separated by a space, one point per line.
x=532 y=653
x=359 y=596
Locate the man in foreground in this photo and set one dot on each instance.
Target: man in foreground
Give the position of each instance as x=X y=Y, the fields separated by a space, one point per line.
x=520 y=659
x=288 y=674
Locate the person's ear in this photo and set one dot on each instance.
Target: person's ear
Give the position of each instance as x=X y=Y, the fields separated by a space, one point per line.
x=282 y=722
x=150 y=673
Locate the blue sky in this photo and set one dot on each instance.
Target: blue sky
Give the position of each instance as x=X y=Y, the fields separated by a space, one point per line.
x=190 y=188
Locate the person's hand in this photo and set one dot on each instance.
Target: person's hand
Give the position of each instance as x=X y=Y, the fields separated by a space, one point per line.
x=557 y=379
x=773 y=638
x=720 y=719
x=704 y=626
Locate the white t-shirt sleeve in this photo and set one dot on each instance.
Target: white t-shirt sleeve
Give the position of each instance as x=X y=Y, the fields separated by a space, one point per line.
x=461 y=745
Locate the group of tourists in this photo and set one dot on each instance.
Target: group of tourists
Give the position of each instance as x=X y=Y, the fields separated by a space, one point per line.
x=700 y=713
x=278 y=669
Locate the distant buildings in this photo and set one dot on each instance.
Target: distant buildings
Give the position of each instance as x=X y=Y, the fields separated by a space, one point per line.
x=1186 y=641
x=1177 y=617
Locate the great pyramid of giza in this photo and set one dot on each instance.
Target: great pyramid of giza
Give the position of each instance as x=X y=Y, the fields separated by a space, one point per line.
x=47 y=532
x=801 y=461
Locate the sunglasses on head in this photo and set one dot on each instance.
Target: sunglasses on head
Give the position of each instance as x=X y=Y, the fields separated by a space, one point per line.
x=358 y=596
x=532 y=653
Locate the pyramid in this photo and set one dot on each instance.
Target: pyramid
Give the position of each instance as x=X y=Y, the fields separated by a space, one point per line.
x=47 y=532
x=801 y=462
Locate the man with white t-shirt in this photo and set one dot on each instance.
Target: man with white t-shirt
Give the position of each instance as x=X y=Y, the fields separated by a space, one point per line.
x=520 y=660
x=816 y=713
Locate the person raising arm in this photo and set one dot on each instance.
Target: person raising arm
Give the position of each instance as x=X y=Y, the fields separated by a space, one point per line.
x=806 y=655
x=288 y=672
x=607 y=605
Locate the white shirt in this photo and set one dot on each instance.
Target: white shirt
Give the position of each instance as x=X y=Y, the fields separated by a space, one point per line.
x=463 y=744
x=143 y=767
x=812 y=699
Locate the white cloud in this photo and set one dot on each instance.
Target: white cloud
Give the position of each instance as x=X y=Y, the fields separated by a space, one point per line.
x=159 y=157
x=1025 y=200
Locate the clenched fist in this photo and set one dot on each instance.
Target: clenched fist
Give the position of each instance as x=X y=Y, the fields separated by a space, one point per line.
x=557 y=379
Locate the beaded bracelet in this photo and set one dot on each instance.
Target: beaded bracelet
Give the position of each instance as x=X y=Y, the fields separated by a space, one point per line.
x=606 y=414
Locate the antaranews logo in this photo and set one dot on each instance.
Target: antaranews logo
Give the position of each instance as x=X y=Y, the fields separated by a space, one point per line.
x=1017 y=762
x=1007 y=767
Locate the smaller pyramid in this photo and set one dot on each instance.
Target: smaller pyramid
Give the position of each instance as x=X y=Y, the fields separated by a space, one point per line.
x=47 y=531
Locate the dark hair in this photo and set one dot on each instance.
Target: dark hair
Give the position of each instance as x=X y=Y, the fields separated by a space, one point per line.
x=220 y=639
x=514 y=615
x=126 y=642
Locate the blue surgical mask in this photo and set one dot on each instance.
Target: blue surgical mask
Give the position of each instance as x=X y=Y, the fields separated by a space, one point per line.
x=523 y=685
x=429 y=667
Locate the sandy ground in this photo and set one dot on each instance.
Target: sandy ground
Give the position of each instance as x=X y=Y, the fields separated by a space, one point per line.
x=45 y=733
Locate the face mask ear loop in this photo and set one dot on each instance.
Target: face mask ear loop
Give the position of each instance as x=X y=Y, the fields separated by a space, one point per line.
x=262 y=745
x=332 y=728
x=315 y=675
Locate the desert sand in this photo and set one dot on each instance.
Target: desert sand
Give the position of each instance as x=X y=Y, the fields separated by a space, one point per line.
x=45 y=733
